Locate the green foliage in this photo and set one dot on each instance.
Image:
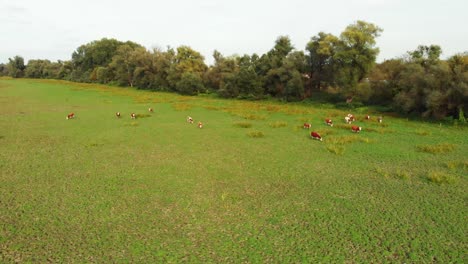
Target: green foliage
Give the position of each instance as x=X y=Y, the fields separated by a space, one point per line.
x=16 y=67
x=461 y=115
x=190 y=84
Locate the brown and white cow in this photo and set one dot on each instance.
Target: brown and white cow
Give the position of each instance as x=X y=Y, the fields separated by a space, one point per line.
x=349 y=118
x=356 y=129
x=200 y=124
x=150 y=110
x=367 y=117
x=190 y=119
x=379 y=119
x=329 y=122
x=307 y=125
x=316 y=135
x=117 y=114
x=71 y=115
x=133 y=116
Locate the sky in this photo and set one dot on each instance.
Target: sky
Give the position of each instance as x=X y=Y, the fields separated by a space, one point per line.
x=53 y=29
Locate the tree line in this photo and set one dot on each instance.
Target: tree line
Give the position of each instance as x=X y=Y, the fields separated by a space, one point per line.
x=343 y=67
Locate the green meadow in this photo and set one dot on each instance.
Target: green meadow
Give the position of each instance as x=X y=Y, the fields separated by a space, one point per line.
x=250 y=186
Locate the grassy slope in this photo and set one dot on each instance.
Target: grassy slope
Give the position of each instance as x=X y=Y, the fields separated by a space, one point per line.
x=98 y=188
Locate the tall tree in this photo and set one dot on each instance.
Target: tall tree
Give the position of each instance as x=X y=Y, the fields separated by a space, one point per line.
x=321 y=50
x=16 y=67
x=95 y=54
x=186 y=60
x=356 y=54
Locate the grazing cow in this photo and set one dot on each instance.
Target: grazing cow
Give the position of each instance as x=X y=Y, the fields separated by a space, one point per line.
x=379 y=119
x=133 y=116
x=356 y=129
x=349 y=118
x=316 y=135
x=307 y=125
x=117 y=114
x=200 y=124
x=150 y=110
x=71 y=115
x=189 y=119
x=367 y=117
x=329 y=122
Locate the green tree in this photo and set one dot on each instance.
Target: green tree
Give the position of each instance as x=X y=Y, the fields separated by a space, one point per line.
x=186 y=60
x=190 y=84
x=321 y=51
x=16 y=67
x=356 y=54
x=95 y=54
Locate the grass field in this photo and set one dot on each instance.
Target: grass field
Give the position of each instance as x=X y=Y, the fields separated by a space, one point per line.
x=251 y=186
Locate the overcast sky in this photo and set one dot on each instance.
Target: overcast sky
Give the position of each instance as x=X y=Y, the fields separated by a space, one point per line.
x=53 y=29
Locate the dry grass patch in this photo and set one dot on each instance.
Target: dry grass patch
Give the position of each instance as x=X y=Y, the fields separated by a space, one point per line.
x=278 y=124
x=336 y=149
x=255 y=134
x=273 y=108
x=250 y=116
x=421 y=132
x=211 y=107
x=133 y=124
x=243 y=124
x=440 y=177
x=453 y=165
x=142 y=115
x=181 y=106
x=348 y=139
x=437 y=149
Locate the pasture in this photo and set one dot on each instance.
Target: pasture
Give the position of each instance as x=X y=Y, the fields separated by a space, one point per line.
x=250 y=186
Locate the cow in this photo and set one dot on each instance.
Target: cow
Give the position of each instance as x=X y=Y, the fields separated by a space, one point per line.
x=71 y=115
x=200 y=124
x=117 y=114
x=379 y=119
x=367 y=117
x=307 y=125
x=356 y=129
x=329 y=122
x=349 y=118
x=133 y=116
x=316 y=135
x=189 y=119
x=150 y=110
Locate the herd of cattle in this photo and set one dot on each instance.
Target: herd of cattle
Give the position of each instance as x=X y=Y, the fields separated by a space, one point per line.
x=134 y=116
x=348 y=119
